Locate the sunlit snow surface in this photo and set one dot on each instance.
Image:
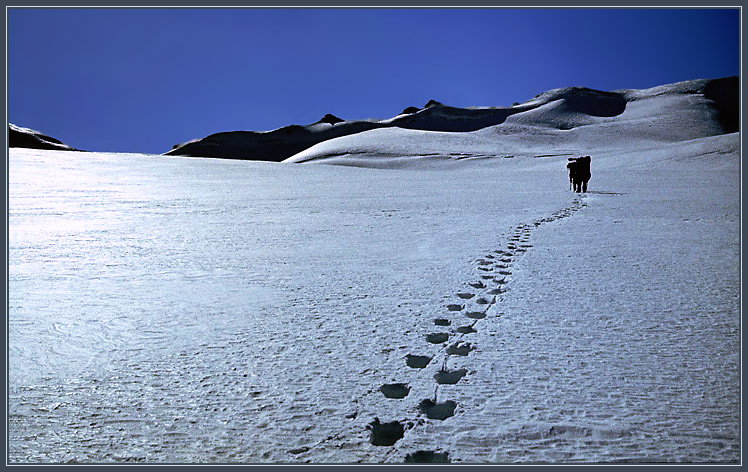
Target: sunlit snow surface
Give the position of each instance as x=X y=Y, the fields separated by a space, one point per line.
x=200 y=310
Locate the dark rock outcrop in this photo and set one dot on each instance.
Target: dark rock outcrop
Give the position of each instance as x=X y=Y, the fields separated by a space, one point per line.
x=28 y=138
x=330 y=119
x=725 y=93
x=410 y=111
x=273 y=145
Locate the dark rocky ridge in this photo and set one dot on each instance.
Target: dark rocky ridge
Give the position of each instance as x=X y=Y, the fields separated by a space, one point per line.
x=28 y=138
x=410 y=110
x=330 y=119
x=273 y=145
x=282 y=143
x=726 y=96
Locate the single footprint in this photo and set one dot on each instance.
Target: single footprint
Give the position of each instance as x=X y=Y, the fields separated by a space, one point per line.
x=437 y=411
x=460 y=348
x=505 y=272
x=465 y=295
x=395 y=390
x=417 y=362
x=455 y=307
x=466 y=329
x=442 y=322
x=483 y=301
x=486 y=277
x=487 y=269
x=385 y=434
x=506 y=259
x=299 y=450
x=476 y=315
x=427 y=457
x=478 y=285
x=496 y=291
x=449 y=377
x=437 y=338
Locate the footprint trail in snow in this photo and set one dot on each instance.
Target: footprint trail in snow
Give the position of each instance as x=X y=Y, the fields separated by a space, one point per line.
x=472 y=304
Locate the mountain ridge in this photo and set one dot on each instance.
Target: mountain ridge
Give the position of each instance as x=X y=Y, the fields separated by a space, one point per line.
x=29 y=138
x=584 y=105
x=714 y=109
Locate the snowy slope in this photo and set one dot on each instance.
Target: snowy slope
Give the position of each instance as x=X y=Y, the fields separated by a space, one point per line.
x=566 y=121
x=207 y=310
x=438 y=296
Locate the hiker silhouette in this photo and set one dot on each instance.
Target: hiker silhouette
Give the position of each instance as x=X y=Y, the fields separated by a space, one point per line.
x=579 y=173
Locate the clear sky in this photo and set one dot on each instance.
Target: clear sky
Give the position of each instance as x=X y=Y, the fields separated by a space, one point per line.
x=142 y=80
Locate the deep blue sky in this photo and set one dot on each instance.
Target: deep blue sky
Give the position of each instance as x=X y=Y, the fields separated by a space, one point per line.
x=142 y=80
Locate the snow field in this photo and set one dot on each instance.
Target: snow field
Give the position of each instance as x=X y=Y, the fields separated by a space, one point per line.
x=172 y=309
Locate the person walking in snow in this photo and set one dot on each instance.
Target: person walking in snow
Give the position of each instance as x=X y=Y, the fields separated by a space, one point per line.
x=579 y=173
x=572 y=166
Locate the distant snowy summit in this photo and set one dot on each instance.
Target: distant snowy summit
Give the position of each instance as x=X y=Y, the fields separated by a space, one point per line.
x=674 y=112
x=28 y=138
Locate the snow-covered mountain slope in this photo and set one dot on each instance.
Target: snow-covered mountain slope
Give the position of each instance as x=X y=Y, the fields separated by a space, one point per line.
x=466 y=308
x=685 y=110
x=29 y=138
x=560 y=122
x=170 y=310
